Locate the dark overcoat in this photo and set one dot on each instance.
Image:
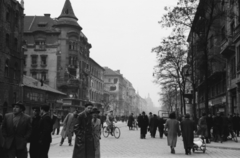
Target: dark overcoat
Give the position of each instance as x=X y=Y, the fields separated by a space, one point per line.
x=45 y=129
x=20 y=134
x=84 y=142
x=130 y=121
x=143 y=124
x=188 y=128
x=34 y=139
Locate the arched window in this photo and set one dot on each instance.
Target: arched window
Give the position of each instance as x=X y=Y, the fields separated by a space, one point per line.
x=6 y=70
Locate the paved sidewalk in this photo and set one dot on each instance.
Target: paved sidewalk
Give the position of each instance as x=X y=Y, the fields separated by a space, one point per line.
x=231 y=145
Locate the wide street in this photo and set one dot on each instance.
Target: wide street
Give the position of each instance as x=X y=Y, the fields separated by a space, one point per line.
x=129 y=145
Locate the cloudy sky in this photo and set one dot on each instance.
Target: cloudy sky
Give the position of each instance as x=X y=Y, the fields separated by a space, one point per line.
x=122 y=34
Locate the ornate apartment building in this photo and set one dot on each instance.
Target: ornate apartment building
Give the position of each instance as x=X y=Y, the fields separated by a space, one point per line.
x=230 y=49
x=96 y=89
x=11 y=54
x=57 y=53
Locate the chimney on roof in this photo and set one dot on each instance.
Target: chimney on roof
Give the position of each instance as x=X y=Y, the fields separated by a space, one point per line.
x=48 y=15
x=118 y=71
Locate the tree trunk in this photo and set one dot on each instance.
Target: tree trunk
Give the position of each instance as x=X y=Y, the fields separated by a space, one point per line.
x=206 y=80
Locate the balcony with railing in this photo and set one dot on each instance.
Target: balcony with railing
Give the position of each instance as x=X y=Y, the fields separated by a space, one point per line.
x=227 y=48
x=236 y=33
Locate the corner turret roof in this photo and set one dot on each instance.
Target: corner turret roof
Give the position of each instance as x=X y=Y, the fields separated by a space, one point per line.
x=67 y=11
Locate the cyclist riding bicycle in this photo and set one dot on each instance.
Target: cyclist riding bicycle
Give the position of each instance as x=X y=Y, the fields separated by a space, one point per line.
x=109 y=121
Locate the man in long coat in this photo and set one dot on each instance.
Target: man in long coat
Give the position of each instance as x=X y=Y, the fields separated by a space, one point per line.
x=45 y=132
x=143 y=123
x=16 y=130
x=84 y=143
x=153 y=125
x=68 y=127
x=161 y=122
x=34 y=139
x=188 y=128
x=130 y=121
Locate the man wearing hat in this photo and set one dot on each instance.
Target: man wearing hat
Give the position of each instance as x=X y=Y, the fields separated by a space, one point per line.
x=143 y=124
x=84 y=143
x=16 y=129
x=34 y=139
x=45 y=132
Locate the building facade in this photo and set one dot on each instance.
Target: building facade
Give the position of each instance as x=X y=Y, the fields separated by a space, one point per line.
x=11 y=54
x=57 y=53
x=96 y=89
x=230 y=50
x=218 y=76
x=36 y=94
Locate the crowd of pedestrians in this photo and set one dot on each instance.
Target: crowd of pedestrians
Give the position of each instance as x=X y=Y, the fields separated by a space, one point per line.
x=18 y=129
x=209 y=128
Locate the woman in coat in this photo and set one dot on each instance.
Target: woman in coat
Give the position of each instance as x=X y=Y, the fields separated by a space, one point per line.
x=68 y=127
x=172 y=126
x=202 y=126
x=96 y=123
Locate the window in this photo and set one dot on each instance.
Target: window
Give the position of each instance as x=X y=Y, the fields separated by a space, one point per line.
x=232 y=27
x=7 y=39
x=34 y=75
x=44 y=76
x=40 y=44
x=6 y=69
x=43 y=60
x=223 y=33
x=66 y=11
x=25 y=61
x=15 y=71
x=7 y=15
x=34 y=60
x=16 y=43
x=223 y=5
x=16 y=19
x=233 y=68
x=24 y=72
x=238 y=58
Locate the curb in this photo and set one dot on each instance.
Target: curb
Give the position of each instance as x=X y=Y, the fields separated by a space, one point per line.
x=222 y=147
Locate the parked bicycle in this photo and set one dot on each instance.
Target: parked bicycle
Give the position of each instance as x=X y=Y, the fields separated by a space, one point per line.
x=115 y=131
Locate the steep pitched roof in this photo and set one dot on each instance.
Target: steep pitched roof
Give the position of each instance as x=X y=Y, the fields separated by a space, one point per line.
x=67 y=11
x=109 y=71
x=39 y=23
x=31 y=82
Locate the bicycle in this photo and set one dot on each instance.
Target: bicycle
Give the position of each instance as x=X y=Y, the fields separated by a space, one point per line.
x=116 y=131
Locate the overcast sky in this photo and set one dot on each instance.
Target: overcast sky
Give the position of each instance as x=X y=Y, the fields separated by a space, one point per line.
x=122 y=34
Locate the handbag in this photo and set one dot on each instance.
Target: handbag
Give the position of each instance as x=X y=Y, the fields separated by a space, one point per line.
x=166 y=133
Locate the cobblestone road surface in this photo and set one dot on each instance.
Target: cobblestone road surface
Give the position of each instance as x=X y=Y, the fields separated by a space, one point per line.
x=129 y=145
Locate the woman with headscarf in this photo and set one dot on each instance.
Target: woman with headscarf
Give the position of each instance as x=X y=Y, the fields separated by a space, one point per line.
x=172 y=126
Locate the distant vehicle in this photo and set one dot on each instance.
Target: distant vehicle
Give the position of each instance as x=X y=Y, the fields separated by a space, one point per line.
x=164 y=114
